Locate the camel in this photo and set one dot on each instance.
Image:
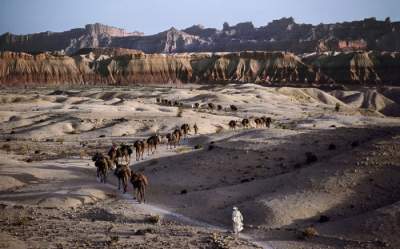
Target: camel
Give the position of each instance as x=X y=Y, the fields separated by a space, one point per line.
x=178 y=135
x=246 y=123
x=196 y=128
x=158 y=100
x=232 y=124
x=123 y=173
x=124 y=152
x=139 y=148
x=152 y=143
x=102 y=165
x=211 y=106
x=196 y=105
x=259 y=122
x=139 y=183
x=267 y=121
x=186 y=129
x=172 y=140
x=233 y=108
x=170 y=103
x=219 y=107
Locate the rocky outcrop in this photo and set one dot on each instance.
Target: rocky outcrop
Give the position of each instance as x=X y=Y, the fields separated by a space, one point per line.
x=279 y=35
x=129 y=66
x=358 y=67
x=125 y=66
x=93 y=35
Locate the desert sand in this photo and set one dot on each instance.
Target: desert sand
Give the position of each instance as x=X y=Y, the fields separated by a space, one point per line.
x=348 y=193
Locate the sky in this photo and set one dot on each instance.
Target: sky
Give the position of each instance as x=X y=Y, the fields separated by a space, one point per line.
x=153 y=16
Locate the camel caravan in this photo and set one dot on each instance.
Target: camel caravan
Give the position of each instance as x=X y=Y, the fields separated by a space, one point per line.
x=262 y=122
x=196 y=106
x=119 y=159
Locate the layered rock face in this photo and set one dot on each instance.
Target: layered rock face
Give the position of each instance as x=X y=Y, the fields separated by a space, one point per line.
x=125 y=66
x=359 y=67
x=280 y=35
x=130 y=66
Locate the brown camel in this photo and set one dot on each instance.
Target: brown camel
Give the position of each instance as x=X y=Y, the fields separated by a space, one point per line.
x=259 y=122
x=152 y=143
x=139 y=183
x=196 y=128
x=246 y=123
x=139 y=148
x=178 y=134
x=124 y=152
x=211 y=106
x=232 y=124
x=185 y=128
x=172 y=140
x=102 y=165
x=123 y=173
x=267 y=121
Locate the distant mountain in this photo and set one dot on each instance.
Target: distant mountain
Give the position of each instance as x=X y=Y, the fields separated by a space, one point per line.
x=279 y=35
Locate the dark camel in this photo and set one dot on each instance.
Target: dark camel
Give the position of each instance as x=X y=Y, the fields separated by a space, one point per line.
x=152 y=143
x=246 y=123
x=172 y=140
x=232 y=124
x=139 y=148
x=196 y=128
x=267 y=121
x=211 y=106
x=233 y=108
x=139 y=183
x=123 y=173
x=185 y=128
x=102 y=165
x=259 y=122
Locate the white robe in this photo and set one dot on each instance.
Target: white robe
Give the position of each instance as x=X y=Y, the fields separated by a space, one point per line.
x=237 y=220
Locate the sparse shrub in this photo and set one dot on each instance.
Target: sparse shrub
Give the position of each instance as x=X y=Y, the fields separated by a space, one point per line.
x=101 y=136
x=355 y=144
x=144 y=231
x=309 y=232
x=114 y=239
x=6 y=147
x=323 y=219
x=37 y=151
x=198 y=146
x=60 y=140
x=311 y=158
x=154 y=219
x=184 y=192
x=332 y=147
x=179 y=113
x=22 y=221
x=219 y=107
x=337 y=107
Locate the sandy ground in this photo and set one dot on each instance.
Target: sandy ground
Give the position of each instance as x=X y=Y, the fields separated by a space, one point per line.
x=349 y=195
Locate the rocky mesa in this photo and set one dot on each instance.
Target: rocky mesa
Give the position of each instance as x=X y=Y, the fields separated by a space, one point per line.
x=279 y=35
